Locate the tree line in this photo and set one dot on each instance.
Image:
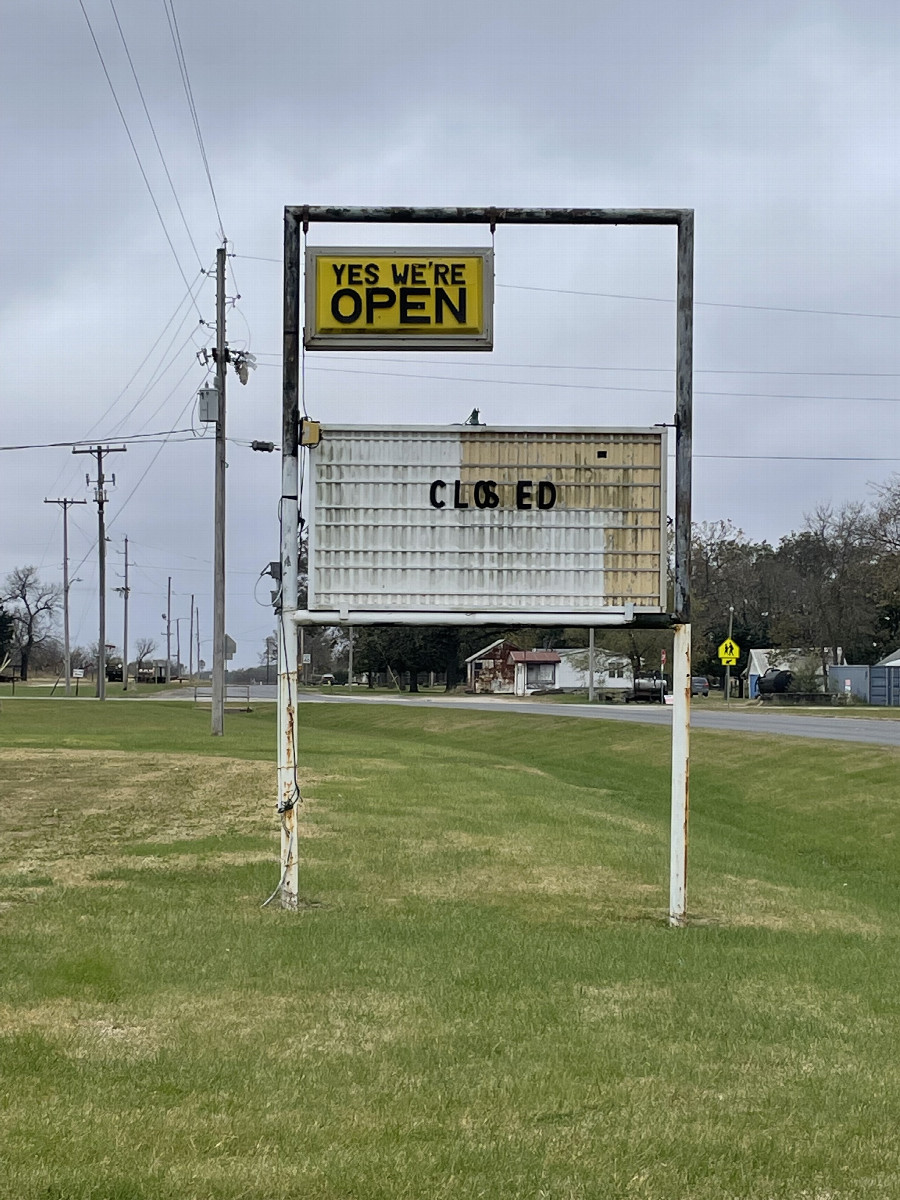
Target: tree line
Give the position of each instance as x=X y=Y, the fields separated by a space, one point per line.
x=833 y=586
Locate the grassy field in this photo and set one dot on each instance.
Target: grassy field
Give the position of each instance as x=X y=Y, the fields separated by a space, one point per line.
x=480 y=996
x=87 y=689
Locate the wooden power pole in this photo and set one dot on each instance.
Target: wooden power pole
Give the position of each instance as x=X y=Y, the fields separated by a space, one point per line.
x=65 y=505
x=124 y=593
x=100 y=498
x=218 y=641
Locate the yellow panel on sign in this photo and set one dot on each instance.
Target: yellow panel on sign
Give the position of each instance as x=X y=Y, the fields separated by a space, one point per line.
x=413 y=299
x=729 y=649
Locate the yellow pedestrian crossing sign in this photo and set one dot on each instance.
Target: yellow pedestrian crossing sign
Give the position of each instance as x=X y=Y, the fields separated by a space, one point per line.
x=729 y=652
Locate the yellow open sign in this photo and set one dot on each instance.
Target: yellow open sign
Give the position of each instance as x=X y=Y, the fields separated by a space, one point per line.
x=372 y=298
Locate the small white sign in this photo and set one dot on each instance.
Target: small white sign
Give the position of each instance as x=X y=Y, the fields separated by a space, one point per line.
x=78 y=673
x=307 y=659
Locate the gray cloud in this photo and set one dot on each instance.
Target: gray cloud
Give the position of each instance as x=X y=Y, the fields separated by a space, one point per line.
x=777 y=122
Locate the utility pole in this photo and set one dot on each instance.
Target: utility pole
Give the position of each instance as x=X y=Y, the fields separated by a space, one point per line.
x=65 y=504
x=218 y=643
x=124 y=593
x=591 y=692
x=169 y=631
x=198 y=643
x=350 y=660
x=178 y=621
x=191 y=644
x=100 y=498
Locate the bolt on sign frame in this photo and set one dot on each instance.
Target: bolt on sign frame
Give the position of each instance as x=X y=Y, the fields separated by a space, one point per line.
x=297 y=219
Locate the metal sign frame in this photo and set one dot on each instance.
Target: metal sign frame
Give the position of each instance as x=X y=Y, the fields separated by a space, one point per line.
x=297 y=219
x=487 y=610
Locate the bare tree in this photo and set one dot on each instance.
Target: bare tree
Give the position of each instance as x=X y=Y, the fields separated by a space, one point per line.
x=268 y=657
x=33 y=605
x=143 y=648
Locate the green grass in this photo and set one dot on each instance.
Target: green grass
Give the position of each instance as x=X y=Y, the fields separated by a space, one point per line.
x=87 y=689
x=480 y=996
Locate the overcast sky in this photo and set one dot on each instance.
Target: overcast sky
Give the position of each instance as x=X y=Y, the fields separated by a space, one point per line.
x=776 y=121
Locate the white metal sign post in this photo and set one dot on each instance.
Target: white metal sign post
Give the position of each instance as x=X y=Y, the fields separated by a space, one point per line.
x=474 y=525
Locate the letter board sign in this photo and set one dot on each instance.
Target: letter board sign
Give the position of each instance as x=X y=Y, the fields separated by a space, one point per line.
x=457 y=519
x=377 y=298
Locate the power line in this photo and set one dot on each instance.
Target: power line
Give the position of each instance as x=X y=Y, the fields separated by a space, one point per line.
x=169 y=7
x=522 y=287
x=131 y=438
x=162 y=157
x=149 y=466
x=158 y=375
x=189 y=295
x=136 y=154
x=578 y=367
x=822 y=312
x=800 y=457
x=601 y=387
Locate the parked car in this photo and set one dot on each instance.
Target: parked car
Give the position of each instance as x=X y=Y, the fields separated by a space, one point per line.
x=699 y=685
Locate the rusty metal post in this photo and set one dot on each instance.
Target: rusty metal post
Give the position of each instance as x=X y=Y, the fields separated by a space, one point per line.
x=684 y=369
x=681 y=734
x=288 y=791
x=681 y=653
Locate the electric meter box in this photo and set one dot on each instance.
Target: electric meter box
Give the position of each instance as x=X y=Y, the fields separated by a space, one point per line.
x=209 y=404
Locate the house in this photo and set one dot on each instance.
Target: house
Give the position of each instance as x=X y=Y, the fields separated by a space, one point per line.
x=612 y=672
x=503 y=669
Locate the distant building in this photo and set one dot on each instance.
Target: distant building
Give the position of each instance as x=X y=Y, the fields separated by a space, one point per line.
x=503 y=669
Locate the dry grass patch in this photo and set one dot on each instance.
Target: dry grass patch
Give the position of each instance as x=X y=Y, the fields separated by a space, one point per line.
x=758 y=903
x=68 y=815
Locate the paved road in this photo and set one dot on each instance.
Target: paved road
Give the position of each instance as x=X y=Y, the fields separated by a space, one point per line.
x=880 y=731
x=877 y=731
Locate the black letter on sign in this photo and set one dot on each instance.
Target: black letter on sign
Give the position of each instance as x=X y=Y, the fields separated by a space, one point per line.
x=336 y=299
x=457 y=501
x=406 y=304
x=378 y=298
x=432 y=494
x=546 y=494
x=486 y=494
x=441 y=298
x=523 y=493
